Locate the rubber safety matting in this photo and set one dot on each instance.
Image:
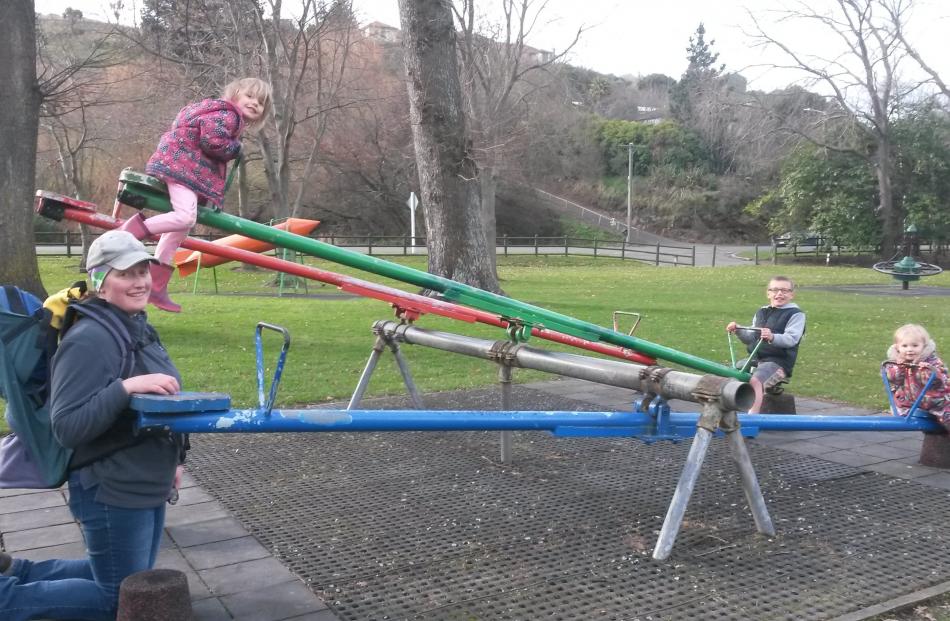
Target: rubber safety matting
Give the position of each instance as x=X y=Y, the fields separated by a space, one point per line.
x=432 y=526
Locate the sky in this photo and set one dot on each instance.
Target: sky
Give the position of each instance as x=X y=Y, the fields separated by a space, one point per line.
x=640 y=37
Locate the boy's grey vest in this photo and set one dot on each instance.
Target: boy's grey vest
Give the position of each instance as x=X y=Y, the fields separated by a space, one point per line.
x=775 y=319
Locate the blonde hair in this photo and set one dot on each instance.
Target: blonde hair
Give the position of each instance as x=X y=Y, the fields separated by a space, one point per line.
x=252 y=87
x=912 y=330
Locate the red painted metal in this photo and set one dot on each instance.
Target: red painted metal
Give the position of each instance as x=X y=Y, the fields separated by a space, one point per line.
x=408 y=306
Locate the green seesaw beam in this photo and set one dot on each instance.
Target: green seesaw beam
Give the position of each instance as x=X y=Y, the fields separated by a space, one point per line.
x=144 y=192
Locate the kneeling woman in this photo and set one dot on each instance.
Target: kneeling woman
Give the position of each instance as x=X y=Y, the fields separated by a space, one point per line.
x=119 y=496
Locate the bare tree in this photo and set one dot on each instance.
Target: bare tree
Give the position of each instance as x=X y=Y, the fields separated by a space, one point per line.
x=305 y=57
x=898 y=21
x=448 y=174
x=501 y=74
x=864 y=82
x=20 y=100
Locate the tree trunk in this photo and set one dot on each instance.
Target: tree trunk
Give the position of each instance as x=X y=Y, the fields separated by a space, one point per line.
x=890 y=222
x=20 y=101
x=488 y=188
x=448 y=175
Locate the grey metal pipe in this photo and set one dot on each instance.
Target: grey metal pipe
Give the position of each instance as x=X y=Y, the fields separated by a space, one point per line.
x=729 y=393
x=684 y=489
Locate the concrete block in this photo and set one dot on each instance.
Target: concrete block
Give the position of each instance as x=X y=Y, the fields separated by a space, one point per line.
x=155 y=595
x=935 y=451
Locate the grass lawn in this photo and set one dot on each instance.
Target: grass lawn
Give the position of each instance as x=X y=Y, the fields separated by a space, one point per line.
x=684 y=308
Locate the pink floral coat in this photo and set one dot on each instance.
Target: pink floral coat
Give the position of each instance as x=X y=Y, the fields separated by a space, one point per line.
x=195 y=152
x=907 y=380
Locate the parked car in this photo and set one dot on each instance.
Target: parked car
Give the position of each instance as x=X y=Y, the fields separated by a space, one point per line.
x=808 y=238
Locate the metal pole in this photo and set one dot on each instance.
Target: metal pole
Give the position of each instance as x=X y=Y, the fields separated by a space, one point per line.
x=406 y=375
x=504 y=379
x=367 y=373
x=731 y=394
x=750 y=483
x=629 y=188
x=684 y=489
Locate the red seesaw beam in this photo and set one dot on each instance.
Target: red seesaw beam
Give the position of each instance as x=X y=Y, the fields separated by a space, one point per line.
x=408 y=306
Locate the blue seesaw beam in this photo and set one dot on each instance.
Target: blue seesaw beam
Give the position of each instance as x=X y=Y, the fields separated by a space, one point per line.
x=211 y=413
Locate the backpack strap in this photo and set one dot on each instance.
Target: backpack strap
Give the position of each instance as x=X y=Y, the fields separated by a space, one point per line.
x=113 y=325
x=121 y=435
x=14 y=300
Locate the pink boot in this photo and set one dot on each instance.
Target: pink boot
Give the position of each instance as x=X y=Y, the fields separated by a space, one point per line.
x=136 y=226
x=161 y=274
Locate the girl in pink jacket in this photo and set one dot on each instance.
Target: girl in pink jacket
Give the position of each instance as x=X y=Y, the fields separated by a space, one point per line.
x=192 y=159
x=911 y=361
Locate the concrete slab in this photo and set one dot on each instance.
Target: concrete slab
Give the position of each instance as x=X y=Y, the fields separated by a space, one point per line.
x=41 y=537
x=208 y=531
x=35 y=518
x=179 y=515
x=222 y=553
x=26 y=502
x=286 y=600
x=236 y=578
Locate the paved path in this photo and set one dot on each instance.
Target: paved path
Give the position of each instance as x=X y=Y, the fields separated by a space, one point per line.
x=232 y=576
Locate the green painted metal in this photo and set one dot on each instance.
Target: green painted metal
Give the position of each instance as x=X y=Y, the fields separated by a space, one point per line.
x=142 y=193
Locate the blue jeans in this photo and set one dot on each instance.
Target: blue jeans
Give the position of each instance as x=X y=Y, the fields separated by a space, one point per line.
x=120 y=542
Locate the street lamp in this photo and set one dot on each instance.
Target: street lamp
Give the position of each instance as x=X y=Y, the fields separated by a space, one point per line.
x=629 y=187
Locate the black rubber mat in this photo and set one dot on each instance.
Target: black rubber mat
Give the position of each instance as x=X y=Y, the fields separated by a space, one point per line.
x=432 y=526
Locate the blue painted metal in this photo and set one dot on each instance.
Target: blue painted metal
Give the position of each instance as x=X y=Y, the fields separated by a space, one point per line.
x=267 y=406
x=645 y=426
x=890 y=394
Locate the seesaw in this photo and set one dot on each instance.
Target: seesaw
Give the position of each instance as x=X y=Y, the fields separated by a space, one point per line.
x=144 y=192
x=650 y=420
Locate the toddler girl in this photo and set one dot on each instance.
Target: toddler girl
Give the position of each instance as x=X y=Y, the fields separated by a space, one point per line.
x=191 y=159
x=913 y=358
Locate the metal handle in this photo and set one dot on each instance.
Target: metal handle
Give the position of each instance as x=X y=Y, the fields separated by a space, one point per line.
x=890 y=395
x=258 y=342
x=732 y=353
x=629 y=314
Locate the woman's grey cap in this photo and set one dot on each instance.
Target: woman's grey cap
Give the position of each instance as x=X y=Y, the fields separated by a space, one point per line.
x=117 y=249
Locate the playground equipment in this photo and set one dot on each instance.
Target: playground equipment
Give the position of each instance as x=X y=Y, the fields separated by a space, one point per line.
x=408 y=306
x=143 y=192
x=189 y=261
x=720 y=392
x=906 y=270
x=650 y=419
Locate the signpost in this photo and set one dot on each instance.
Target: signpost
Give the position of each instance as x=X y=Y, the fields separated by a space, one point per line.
x=412 y=202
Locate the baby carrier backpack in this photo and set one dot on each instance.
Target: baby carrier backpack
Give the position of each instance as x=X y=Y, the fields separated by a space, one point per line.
x=30 y=456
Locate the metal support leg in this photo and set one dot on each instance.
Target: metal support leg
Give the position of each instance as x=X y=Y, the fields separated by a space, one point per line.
x=504 y=379
x=406 y=375
x=750 y=484
x=378 y=347
x=684 y=489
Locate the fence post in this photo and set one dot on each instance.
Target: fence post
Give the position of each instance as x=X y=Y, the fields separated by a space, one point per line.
x=535 y=244
x=69 y=248
x=774 y=254
x=370 y=246
x=595 y=248
x=715 y=247
x=658 y=254
x=694 y=256
x=623 y=250
x=405 y=244
x=565 y=245
x=755 y=252
x=505 y=237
